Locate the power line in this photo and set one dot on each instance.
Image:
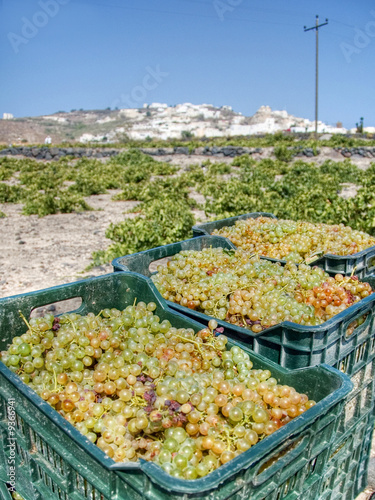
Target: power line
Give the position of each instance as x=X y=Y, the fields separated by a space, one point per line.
x=339 y=35
x=266 y=11
x=316 y=28
x=189 y=14
x=344 y=24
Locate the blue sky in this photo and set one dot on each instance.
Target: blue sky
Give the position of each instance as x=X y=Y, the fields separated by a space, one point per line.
x=93 y=54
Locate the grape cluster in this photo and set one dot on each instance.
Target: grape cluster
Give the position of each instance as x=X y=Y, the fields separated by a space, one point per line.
x=140 y=388
x=295 y=241
x=255 y=293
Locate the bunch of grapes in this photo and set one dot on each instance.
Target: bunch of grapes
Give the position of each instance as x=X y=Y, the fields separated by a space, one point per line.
x=140 y=388
x=295 y=241
x=254 y=293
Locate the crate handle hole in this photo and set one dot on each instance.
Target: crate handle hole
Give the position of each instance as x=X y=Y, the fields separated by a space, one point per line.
x=153 y=267
x=284 y=456
x=371 y=264
x=57 y=308
x=355 y=324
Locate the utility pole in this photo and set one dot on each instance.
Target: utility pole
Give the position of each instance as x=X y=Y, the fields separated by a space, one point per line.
x=316 y=28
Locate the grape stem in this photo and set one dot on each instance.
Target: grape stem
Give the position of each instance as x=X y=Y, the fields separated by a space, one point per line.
x=192 y=341
x=99 y=314
x=137 y=401
x=27 y=323
x=73 y=325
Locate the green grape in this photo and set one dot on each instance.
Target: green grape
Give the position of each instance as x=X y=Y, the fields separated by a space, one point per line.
x=236 y=414
x=180 y=461
x=165 y=456
x=24 y=349
x=154 y=395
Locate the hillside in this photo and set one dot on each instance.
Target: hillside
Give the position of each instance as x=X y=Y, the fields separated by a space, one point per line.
x=152 y=121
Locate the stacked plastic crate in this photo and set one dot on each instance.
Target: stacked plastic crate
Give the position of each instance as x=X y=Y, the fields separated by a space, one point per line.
x=323 y=454
x=295 y=346
x=55 y=462
x=347 y=468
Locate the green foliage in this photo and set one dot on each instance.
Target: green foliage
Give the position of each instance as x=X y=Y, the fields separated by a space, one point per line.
x=262 y=172
x=295 y=191
x=283 y=153
x=8 y=166
x=360 y=126
x=10 y=194
x=160 y=168
x=359 y=212
x=44 y=176
x=292 y=190
x=52 y=202
x=194 y=175
x=217 y=168
x=158 y=222
x=91 y=177
x=173 y=188
x=343 y=171
x=59 y=186
x=131 y=167
x=340 y=140
x=244 y=161
x=186 y=134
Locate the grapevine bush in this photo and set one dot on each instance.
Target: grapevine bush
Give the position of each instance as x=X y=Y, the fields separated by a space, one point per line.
x=158 y=222
x=60 y=187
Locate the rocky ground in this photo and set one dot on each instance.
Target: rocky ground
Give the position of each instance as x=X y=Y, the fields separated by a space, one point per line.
x=41 y=252
x=37 y=253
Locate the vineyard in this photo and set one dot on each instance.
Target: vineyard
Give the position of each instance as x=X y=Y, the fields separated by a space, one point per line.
x=292 y=140
x=165 y=200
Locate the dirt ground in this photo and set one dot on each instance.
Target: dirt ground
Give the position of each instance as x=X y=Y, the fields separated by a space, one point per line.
x=37 y=253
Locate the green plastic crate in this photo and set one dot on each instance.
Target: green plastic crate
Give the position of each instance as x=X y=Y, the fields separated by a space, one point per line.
x=361 y=264
x=289 y=344
x=347 y=466
x=361 y=399
x=56 y=462
x=140 y=262
x=4 y=492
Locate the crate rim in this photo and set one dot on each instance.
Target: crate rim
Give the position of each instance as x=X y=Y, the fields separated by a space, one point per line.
x=73 y=284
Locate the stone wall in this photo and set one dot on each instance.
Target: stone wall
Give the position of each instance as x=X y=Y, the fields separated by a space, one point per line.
x=46 y=153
